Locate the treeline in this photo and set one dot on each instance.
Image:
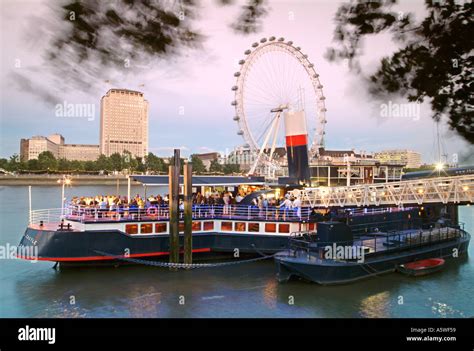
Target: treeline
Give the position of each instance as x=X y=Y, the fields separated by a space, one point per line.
x=47 y=163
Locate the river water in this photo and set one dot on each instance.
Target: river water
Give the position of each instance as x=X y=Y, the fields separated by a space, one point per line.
x=248 y=290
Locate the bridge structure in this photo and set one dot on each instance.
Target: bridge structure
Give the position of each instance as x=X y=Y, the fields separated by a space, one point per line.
x=439 y=190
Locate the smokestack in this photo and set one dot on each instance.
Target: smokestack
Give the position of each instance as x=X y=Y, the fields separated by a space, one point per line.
x=297 y=146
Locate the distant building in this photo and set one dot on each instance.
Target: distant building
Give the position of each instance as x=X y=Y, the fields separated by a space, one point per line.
x=409 y=158
x=207 y=158
x=79 y=152
x=245 y=158
x=31 y=148
x=124 y=123
x=348 y=167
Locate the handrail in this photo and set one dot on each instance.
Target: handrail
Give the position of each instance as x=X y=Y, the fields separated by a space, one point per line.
x=390 y=242
x=94 y=214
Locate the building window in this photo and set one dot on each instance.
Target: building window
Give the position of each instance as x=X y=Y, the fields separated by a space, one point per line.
x=254 y=227
x=240 y=226
x=146 y=228
x=131 y=228
x=181 y=227
x=283 y=228
x=226 y=226
x=160 y=227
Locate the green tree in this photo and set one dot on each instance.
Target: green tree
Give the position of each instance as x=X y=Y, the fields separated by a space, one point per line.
x=103 y=163
x=47 y=161
x=231 y=168
x=154 y=163
x=198 y=165
x=3 y=163
x=215 y=167
x=140 y=165
x=32 y=165
x=434 y=60
x=90 y=166
x=63 y=165
x=116 y=161
x=14 y=163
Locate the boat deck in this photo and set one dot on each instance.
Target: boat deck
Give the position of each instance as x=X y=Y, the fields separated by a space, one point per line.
x=384 y=241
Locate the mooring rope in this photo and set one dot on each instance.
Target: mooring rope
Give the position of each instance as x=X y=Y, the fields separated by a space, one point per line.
x=184 y=265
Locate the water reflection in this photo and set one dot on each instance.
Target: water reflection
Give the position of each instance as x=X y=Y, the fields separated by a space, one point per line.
x=250 y=290
x=376 y=306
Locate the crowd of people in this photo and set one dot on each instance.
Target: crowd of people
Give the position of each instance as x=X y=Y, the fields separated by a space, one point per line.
x=208 y=204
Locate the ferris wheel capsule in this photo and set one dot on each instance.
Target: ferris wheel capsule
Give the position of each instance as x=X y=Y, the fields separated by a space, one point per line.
x=234 y=88
x=263 y=40
x=247 y=52
x=272 y=38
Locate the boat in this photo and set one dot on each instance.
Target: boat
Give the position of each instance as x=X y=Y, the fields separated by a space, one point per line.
x=423 y=267
x=334 y=255
x=79 y=235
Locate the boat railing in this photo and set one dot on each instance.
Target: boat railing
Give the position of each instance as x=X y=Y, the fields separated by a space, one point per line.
x=49 y=215
x=161 y=212
x=307 y=242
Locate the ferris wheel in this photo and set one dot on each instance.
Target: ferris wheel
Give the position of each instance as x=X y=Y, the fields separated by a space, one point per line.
x=276 y=77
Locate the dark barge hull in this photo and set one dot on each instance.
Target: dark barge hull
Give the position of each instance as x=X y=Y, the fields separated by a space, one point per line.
x=71 y=248
x=328 y=272
x=80 y=248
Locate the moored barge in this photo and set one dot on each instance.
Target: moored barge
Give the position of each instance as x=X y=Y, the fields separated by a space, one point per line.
x=334 y=255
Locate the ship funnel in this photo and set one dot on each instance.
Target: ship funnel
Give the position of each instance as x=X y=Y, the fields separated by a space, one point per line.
x=297 y=147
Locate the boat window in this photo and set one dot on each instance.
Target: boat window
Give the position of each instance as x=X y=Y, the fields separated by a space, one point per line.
x=312 y=226
x=226 y=226
x=270 y=227
x=146 y=228
x=131 y=228
x=254 y=227
x=208 y=226
x=160 y=227
x=196 y=226
x=240 y=226
x=283 y=228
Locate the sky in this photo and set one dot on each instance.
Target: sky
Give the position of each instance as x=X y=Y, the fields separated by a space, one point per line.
x=190 y=95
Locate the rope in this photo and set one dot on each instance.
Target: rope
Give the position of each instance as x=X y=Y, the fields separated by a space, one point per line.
x=184 y=265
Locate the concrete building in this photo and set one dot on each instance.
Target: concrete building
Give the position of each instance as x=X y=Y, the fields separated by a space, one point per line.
x=79 y=152
x=207 y=158
x=31 y=148
x=124 y=123
x=410 y=159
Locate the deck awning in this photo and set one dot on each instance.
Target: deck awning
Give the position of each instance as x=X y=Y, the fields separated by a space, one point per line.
x=151 y=180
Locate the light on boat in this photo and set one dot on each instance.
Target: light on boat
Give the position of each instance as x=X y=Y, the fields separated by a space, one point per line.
x=439 y=166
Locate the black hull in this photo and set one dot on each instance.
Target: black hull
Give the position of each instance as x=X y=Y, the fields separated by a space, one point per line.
x=328 y=272
x=86 y=248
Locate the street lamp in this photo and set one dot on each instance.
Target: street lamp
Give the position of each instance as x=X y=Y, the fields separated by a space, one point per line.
x=65 y=180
